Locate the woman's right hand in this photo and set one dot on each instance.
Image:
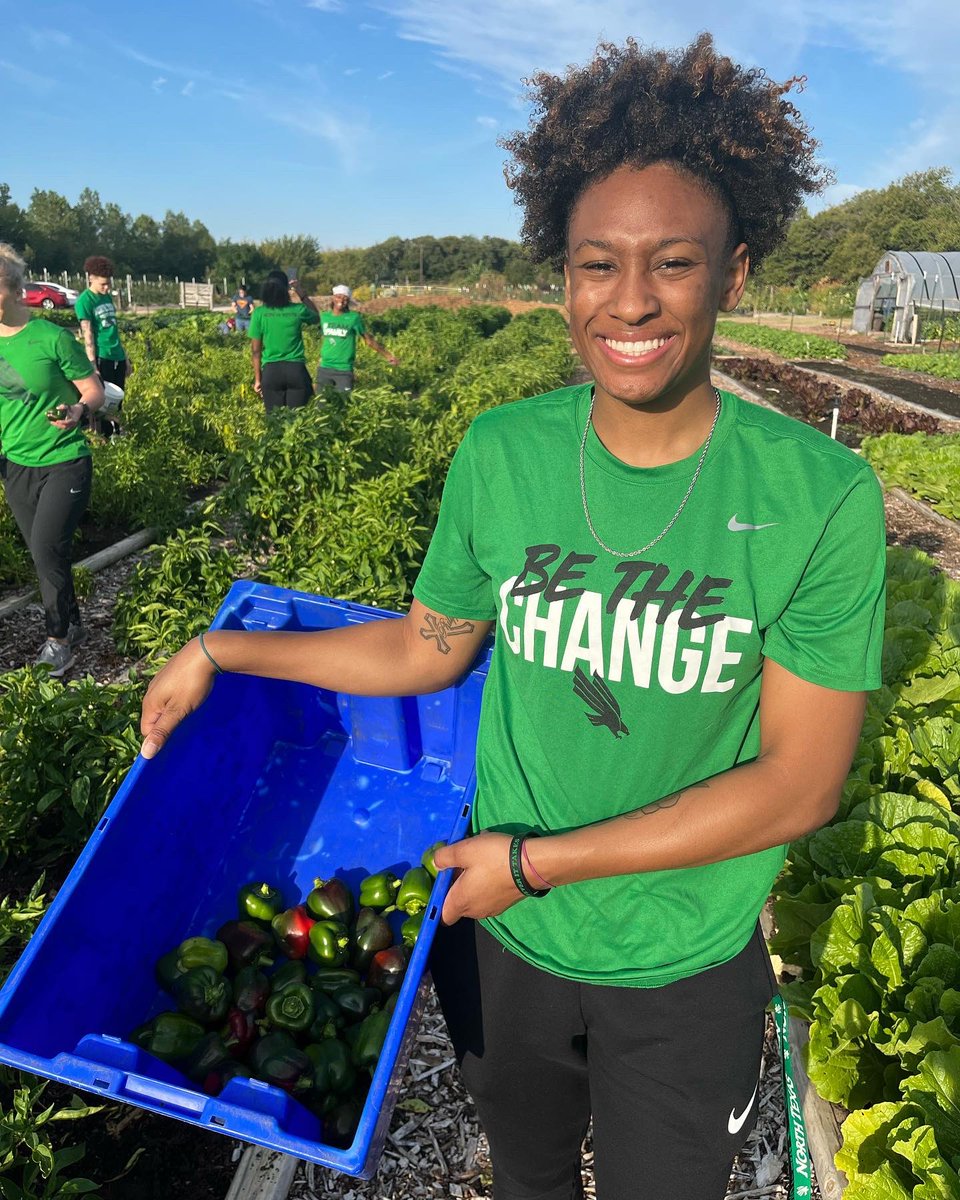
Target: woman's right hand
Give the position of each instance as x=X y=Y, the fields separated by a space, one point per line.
x=174 y=692
x=258 y=387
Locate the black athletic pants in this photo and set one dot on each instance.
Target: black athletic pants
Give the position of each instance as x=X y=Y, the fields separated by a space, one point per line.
x=328 y=377
x=670 y=1075
x=47 y=504
x=285 y=385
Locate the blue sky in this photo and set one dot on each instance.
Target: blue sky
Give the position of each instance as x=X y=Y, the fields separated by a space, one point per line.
x=354 y=120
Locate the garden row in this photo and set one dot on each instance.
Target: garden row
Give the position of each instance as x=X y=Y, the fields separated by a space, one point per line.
x=339 y=497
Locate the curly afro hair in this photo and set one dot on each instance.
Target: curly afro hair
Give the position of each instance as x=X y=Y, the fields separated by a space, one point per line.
x=730 y=129
x=99 y=264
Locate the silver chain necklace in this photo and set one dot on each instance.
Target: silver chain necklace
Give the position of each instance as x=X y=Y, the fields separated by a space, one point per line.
x=673 y=520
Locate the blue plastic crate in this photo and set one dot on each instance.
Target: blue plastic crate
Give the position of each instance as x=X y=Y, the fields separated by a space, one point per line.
x=268 y=780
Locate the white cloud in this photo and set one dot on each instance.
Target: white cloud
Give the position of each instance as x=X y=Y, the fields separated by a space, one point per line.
x=366 y=27
x=159 y=83
x=488 y=122
x=25 y=78
x=344 y=134
x=187 y=89
x=836 y=193
x=45 y=40
x=385 y=75
x=352 y=71
x=326 y=5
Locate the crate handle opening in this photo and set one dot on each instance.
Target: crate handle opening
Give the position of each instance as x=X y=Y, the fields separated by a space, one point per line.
x=217 y=1121
x=103 y=824
x=101 y=1083
x=433 y=913
x=466 y=811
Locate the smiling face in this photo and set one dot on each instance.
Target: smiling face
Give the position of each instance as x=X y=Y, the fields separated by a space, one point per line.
x=340 y=303
x=648 y=267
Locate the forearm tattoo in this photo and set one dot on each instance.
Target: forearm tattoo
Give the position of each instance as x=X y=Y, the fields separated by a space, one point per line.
x=667 y=802
x=442 y=628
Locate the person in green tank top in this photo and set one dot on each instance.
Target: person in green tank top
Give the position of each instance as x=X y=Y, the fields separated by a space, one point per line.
x=280 y=373
x=686 y=595
x=47 y=387
x=341 y=329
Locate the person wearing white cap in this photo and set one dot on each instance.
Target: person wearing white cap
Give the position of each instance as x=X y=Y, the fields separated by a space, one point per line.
x=341 y=328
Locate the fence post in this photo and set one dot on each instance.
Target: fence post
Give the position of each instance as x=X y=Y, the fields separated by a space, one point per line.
x=224 y=285
x=791 y=320
x=129 y=293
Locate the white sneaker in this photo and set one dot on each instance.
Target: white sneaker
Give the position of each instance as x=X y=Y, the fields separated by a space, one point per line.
x=58 y=656
x=76 y=635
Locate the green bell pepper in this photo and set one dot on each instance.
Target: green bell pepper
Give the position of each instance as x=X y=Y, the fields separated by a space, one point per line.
x=329 y=1018
x=170 y=1036
x=357 y=1002
x=167 y=970
x=246 y=943
x=259 y=902
x=220 y=1075
x=370 y=1039
x=428 y=861
x=250 y=989
x=328 y=979
x=415 y=889
x=329 y=944
x=292 y=1009
x=330 y=899
x=373 y=934
x=332 y=1069
x=291 y=972
x=203 y=994
x=410 y=930
x=202 y=952
x=379 y=891
x=277 y=1059
x=208 y=1053
x=340 y=1124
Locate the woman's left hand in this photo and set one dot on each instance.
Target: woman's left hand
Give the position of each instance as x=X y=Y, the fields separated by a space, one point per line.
x=483 y=885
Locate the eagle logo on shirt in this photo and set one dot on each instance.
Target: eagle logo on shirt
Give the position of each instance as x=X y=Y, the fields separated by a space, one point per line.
x=12 y=385
x=595 y=693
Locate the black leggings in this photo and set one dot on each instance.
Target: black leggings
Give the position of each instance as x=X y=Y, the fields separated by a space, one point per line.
x=670 y=1075
x=285 y=385
x=47 y=504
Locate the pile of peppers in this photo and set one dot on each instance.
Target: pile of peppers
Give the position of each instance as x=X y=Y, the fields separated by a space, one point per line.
x=300 y=997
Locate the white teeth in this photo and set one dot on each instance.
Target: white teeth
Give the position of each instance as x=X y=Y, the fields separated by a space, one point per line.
x=636 y=348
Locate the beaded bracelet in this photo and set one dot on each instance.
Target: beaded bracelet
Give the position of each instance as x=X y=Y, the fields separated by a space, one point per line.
x=516 y=870
x=216 y=666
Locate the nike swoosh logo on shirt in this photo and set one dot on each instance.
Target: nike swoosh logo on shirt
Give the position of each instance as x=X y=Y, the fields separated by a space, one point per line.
x=735 y=1123
x=736 y=526
x=75 y=491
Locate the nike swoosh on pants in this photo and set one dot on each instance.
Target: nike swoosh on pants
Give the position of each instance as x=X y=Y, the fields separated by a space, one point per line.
x=735 y=1123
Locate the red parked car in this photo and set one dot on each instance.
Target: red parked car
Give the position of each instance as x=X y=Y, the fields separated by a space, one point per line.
x=48 y=295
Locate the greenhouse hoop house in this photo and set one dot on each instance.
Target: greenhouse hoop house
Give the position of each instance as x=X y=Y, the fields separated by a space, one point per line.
x=906 y=288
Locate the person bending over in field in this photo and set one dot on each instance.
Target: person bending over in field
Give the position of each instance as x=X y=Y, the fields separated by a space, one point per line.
x=686 y=592
x=341 y=328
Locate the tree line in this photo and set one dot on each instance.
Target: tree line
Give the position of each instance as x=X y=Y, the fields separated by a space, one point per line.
x=840 y=244
x=55 y=235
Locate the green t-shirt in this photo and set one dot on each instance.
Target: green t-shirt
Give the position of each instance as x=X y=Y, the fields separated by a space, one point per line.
x=36 y=366
x=281 y=331
x=98 y=309
x=340 y=333
x=616 y=682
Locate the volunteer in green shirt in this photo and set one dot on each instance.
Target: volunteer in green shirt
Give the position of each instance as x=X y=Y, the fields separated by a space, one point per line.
x=341 y=329
x=97 y=315
x=47 y=386
x=280 y=373
x=686 y=593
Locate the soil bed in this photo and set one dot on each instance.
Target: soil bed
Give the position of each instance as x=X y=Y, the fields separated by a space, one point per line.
x=902 y=384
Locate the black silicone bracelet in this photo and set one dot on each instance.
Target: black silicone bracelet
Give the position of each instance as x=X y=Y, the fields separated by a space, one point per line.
x=516 y=868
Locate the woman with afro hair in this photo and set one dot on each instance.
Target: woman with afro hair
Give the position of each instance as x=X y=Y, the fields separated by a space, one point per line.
x=686 y=592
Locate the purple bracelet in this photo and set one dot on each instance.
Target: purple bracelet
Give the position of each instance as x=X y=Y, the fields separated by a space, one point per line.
x=526 y=859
